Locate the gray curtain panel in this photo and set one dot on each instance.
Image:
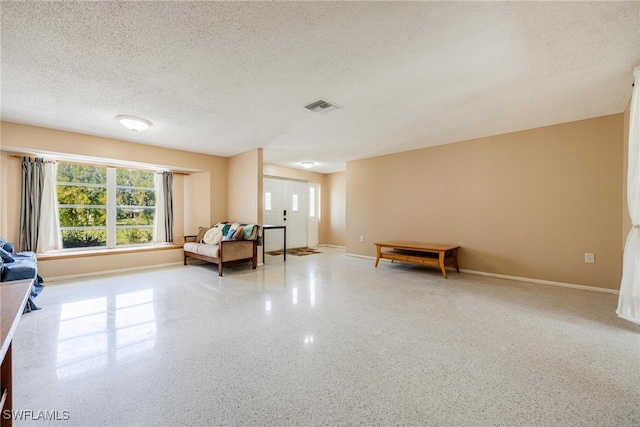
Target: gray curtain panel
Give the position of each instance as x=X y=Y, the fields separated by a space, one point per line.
x=167 y=183
x=31 y=200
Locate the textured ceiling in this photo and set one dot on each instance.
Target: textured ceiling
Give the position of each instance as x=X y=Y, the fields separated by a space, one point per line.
x=225 y=77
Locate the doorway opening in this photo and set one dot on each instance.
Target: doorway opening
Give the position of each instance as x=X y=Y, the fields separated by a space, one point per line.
x=294 y=204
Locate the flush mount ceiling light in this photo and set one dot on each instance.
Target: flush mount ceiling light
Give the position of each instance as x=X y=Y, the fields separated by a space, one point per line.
x=307 y=165
x=134 y=124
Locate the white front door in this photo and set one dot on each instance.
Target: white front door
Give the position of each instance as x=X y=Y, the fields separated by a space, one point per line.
x=286 y=203
x=296 y=205
x=272 y=215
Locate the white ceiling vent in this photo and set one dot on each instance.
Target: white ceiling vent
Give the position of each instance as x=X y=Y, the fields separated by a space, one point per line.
x=321 y=106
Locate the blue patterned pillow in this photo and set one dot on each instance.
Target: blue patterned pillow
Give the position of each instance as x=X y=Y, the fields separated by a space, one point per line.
x=6 y=256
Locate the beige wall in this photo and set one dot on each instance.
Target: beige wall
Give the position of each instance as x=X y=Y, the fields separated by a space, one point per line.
x=290 y=173
x=196 y=202
x=245 y=188
x=4 y=177
x=52 y=269
x=211 y=187
x=10 y=188
x=334 y=210
x=526 y=204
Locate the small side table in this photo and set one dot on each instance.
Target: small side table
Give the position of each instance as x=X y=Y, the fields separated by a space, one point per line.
x=264 y=240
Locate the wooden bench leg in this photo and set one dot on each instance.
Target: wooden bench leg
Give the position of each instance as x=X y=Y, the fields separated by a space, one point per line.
x=254 y=259
x=443 y=268
x=455 y=259
x=220 y=268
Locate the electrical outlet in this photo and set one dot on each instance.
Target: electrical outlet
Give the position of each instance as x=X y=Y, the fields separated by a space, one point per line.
x=589 y=258
x=361 y=238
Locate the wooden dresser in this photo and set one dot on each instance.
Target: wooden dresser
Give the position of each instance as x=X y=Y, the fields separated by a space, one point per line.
x=13 y=297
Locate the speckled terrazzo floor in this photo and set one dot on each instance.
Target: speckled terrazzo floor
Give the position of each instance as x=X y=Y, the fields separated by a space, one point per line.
x=324 y=340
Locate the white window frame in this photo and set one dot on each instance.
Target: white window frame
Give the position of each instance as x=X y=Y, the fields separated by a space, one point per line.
x=111 y=208
x=313 y=205
x=268 y=204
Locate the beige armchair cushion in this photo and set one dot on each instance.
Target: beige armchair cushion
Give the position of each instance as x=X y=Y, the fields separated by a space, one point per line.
x=212 y=251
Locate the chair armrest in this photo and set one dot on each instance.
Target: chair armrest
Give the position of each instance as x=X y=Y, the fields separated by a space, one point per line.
x=191 y=238
x=231 y=250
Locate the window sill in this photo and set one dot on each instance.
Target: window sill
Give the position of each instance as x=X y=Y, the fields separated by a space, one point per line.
x=102 y=252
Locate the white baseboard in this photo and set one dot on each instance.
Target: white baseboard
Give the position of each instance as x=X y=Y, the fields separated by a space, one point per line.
x=364 y=256
x=540 y=281
x=516 y=278
x=331 y=246
x=102 y=273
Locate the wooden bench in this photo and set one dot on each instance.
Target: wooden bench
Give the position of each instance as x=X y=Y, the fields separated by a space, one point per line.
x=429 y=254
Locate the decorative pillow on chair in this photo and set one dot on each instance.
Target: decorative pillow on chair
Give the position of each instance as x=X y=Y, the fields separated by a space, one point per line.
x=201 y=232
x=239 y=234
x=213 y=236
x=6 y=256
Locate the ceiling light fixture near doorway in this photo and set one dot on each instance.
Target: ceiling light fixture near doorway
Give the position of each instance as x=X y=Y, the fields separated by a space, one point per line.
x=307 y=165
x=134 y=124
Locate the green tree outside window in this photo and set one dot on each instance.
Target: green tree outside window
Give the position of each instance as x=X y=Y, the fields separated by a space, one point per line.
x=83 y=207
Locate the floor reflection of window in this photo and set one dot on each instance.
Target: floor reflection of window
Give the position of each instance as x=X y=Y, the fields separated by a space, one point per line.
x=101 y=331
x=312 y=291
x=135 y=323
x=82 y=337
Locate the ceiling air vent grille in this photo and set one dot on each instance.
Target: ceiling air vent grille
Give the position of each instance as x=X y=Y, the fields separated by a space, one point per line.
x=321 y=106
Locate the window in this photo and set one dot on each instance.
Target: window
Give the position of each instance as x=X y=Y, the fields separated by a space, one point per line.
x=294 y=203
x=312 y=202
x=267 y=201
x=105 y=206
x=135 y=206
x=82 y=205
